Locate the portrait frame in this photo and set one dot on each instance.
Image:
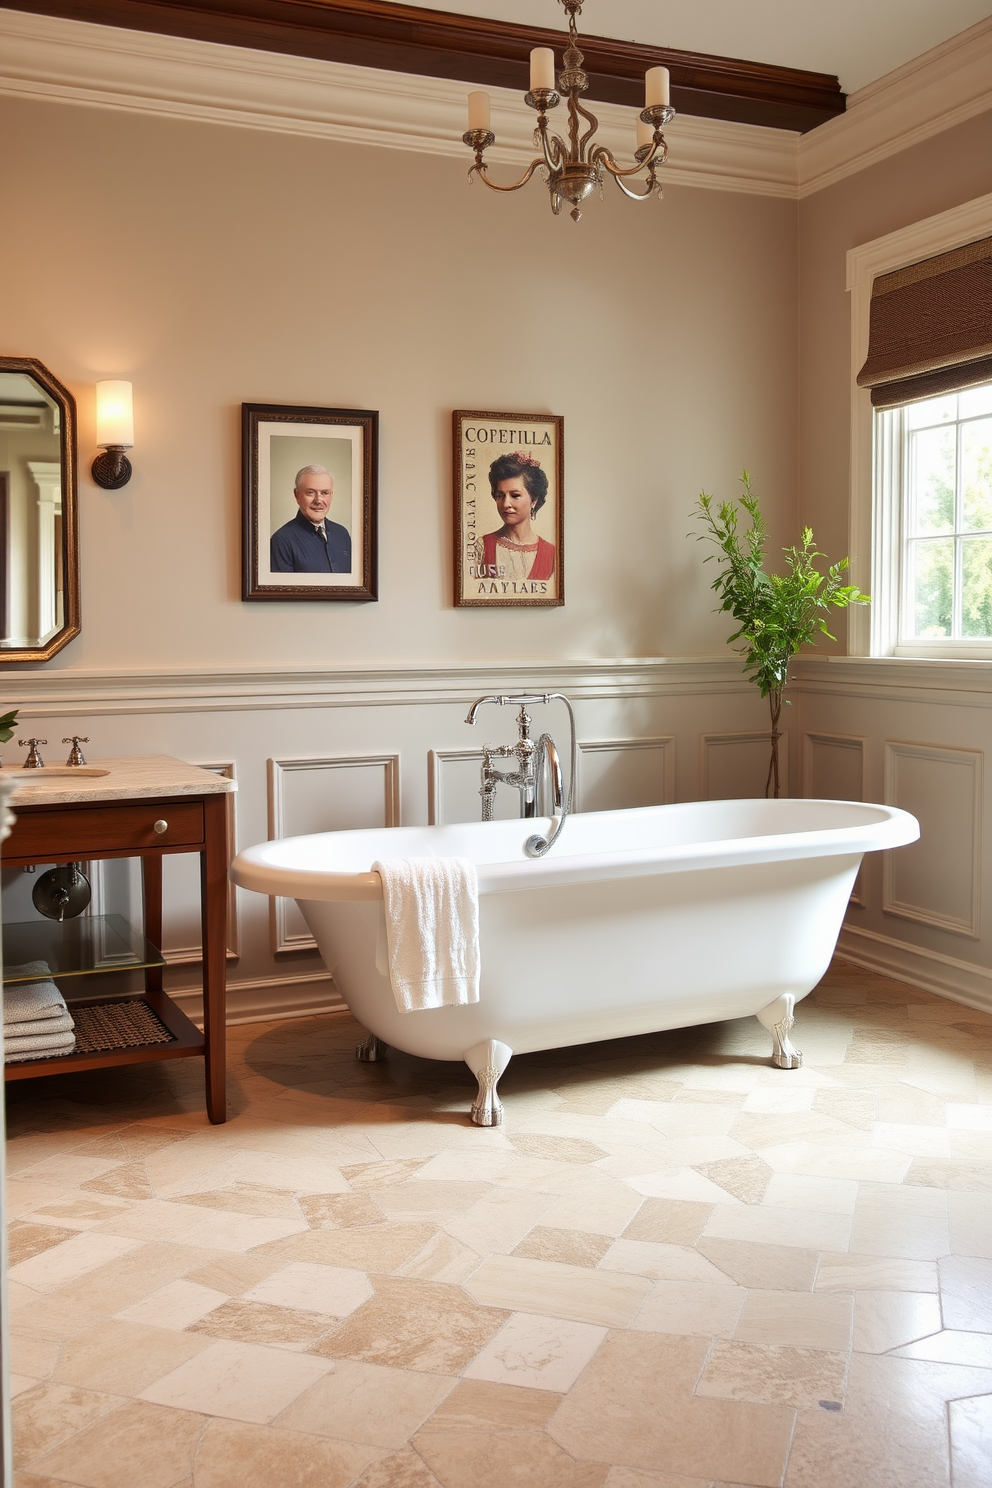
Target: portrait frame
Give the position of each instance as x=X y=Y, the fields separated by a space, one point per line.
x=479 y=438
x=277 y=440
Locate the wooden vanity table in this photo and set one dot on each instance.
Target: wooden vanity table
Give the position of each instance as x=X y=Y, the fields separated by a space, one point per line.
x=139 y=807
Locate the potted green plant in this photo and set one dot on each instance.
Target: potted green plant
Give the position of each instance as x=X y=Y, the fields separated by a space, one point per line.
x=776 y=614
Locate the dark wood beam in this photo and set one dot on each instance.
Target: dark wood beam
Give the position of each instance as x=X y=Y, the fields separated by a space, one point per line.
x=434 y=43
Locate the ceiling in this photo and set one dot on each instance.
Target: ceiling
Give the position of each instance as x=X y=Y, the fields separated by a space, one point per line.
x=858 y=40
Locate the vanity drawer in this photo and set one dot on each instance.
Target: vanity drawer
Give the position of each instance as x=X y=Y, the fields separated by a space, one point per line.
x=67 y=833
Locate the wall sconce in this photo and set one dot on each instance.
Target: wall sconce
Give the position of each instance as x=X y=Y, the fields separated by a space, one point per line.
x=114 y=434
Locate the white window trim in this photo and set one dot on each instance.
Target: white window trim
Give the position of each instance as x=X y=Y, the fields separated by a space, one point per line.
x=874 y=540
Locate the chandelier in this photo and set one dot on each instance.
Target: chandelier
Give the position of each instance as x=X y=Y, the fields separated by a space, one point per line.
x=575 y=169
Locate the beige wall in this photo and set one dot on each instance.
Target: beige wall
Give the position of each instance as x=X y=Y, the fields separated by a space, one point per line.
x=233 y=265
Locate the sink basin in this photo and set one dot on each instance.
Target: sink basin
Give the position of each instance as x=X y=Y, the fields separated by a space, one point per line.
x=53 y=772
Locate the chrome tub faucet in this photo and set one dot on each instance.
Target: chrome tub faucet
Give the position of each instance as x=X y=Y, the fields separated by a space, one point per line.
x=531 y=758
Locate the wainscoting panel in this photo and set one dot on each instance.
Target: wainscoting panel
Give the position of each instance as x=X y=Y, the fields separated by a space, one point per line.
x=453 y=778
x=937 y=880
x=335 y=793
x=617 y=773
x=835 y=768
x=734 y=767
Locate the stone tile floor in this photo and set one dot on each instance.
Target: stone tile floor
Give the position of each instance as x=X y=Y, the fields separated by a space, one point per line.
x=672 y=1267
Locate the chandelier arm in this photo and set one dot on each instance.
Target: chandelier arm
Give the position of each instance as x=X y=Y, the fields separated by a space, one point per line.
x=658 y=155
x=480 y=170
x=593 y=126
x=652 y=184
x=553 y=147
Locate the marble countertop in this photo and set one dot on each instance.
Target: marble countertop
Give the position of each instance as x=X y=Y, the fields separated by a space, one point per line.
x=129 y=778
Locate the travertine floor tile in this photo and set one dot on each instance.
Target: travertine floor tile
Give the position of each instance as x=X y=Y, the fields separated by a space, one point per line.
x=404 y=1469
x=175 y=1306
x=770 y=1374
x=767 y=1225
x=522 y=1285
x=367 y=1403
x=804 y=1319
x=971 y=1441
x=571 y=1247
x=856 y=1273
x=660 y=1262
x=240 y=1380
x=544 y=1353
x=671 y=1222
x=260 y=1322
x=633 y=1406
x=766 y=1266
x=74 y=1256
x=887 y=1320
x=26 y=1240
x=233 y=1454
x=415 y=1325
x=46 y=1415
x=699 y=1308
x=333 y=1290
x=966 y=1292
x=950 y=1347
x=121 y=1358
x=481 y=1406
x=469 y=1459
x=134 y=1444
x=33 y=1355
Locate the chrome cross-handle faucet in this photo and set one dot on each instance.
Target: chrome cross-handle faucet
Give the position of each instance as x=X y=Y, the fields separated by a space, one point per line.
x=531 y=758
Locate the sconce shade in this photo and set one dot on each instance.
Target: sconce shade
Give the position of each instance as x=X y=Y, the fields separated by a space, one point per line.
x=114 y=415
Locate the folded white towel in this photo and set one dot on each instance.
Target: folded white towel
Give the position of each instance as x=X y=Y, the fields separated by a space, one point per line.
x=62 y=1024
x=25 y=1002
x=26 y=969
x=432 y=930
x=15 y=1049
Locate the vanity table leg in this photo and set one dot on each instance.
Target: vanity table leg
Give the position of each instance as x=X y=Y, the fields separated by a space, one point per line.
x=213 y=911
x=151 y=878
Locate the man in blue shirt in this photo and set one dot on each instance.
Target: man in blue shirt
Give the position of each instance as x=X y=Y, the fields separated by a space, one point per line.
x=310 y=543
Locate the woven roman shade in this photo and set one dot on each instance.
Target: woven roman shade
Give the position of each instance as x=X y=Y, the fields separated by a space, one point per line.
x=931 y=327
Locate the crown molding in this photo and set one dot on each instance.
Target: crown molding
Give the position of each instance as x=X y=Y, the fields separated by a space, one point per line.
x=945 y=86
x=81 y=63
x=395 y=37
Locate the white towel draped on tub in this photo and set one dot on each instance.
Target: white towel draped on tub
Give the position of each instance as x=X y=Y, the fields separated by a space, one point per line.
x=432 y=930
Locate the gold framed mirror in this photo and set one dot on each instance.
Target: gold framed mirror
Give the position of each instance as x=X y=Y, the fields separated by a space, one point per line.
x=39 y=546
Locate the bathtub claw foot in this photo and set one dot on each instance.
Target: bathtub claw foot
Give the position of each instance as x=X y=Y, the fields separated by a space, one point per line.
x=371 y=1050
x=778 y=1018
x=487 y=1061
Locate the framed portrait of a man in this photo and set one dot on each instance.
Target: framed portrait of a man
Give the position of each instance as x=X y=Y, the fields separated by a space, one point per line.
x=509 y=509
x=309 y=502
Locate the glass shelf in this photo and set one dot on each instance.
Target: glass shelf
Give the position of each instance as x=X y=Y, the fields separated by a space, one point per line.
x=83 y=946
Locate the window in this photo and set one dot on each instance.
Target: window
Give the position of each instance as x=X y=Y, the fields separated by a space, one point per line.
x=921 y=437
x=943 y=471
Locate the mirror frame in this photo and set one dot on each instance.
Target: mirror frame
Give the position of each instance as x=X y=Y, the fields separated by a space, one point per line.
x=70 y=537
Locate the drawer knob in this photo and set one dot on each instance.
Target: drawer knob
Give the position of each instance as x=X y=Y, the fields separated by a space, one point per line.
x=160 y=826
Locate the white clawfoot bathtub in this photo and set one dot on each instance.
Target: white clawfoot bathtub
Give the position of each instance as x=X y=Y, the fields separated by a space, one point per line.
x=637 y=921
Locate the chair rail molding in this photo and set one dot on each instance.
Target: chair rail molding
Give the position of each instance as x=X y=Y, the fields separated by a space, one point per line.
x=43 y=694
x=73 y=61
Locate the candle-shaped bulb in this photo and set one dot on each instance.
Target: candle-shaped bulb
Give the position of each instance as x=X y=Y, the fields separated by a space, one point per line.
x=656 y=88
x=114 y=416
x=645 y=134
x=478 y=111
x=542 y=69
